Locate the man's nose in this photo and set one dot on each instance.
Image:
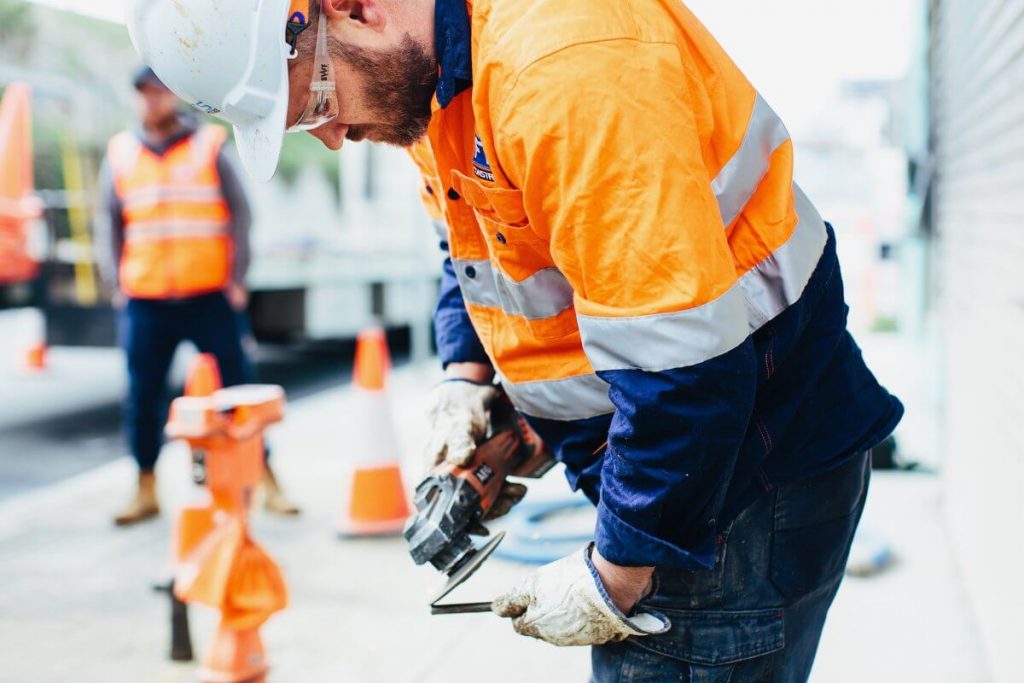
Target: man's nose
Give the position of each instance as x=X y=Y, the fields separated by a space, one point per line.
x=331 y=135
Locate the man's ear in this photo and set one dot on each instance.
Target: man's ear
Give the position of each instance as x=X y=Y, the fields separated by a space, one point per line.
x=365 y=13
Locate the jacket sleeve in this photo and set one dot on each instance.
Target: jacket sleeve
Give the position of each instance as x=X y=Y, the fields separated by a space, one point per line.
x=233 y=190
x=457 y=341
x=108 y=226
x=614 y=180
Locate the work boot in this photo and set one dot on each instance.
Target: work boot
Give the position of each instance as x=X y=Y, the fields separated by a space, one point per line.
x=275 y=500
x=144 y=506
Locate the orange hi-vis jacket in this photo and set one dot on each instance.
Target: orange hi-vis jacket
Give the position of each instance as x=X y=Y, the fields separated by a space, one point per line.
x=637 y=262
x=176 y=220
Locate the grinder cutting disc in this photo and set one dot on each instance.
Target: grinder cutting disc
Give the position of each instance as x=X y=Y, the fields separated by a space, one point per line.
x=467 y=569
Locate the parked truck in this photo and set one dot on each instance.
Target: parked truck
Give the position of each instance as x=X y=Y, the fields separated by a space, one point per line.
x=327 y=260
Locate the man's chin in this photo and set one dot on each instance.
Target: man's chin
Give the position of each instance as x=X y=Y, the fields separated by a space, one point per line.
x=387 y=135
x=358 y=133
x=381 y=134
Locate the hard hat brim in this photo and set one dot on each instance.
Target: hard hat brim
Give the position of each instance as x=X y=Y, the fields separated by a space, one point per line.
x=229 y=59
x=259 y=145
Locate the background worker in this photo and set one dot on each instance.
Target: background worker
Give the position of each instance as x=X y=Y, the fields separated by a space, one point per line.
x=631 y=256
x=173 y=228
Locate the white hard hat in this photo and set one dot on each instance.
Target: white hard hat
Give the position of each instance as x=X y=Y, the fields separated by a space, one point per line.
x=228 y=58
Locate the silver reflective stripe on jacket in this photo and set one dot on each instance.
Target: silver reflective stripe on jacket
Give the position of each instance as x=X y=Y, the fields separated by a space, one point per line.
x=161 y=194
x=739 y=179
x=574 y=398
x=147 y=231
x=777 y=283
x=544 y=294
x=683 y=339
x=668 y=340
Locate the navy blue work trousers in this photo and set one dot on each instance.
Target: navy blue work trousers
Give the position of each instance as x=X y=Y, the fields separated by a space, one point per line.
x=758 y=615
x=150 y=332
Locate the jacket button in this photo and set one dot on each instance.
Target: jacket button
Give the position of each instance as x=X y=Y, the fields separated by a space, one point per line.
x=453 y=195
x=501 y=238
x=470 y=272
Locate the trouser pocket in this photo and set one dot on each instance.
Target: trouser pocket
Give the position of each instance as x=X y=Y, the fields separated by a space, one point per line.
x=815 y=520
x=702 y=646
x=714 y=637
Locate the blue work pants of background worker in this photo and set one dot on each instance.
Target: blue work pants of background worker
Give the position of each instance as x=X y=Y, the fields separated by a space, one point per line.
x=757 y=616
x=151 y=331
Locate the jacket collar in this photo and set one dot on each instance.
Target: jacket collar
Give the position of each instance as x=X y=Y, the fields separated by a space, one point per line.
x=188 y=125
x=454 y=54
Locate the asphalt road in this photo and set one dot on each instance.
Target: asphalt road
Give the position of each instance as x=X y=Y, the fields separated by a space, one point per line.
x=67 y=420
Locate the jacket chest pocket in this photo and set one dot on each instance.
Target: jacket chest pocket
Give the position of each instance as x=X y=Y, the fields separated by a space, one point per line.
x=521 y=278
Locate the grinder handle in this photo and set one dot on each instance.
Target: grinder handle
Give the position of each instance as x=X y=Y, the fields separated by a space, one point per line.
x=511 y=449
x=492 y=462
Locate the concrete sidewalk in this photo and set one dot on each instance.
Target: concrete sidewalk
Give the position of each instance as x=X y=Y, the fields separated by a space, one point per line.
x=75 y=602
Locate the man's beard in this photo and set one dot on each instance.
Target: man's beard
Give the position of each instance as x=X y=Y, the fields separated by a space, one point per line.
x=399 y=86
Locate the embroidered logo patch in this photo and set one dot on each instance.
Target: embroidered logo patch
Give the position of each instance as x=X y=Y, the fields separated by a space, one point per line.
x=481 y=167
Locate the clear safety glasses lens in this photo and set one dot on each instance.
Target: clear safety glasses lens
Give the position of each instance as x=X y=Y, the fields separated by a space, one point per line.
x=323 y=106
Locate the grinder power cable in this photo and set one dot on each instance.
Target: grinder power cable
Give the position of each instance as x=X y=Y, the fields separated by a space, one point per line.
x=452 y=502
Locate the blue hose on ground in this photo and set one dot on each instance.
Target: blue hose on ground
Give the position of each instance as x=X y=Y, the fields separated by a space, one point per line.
x=536 y=533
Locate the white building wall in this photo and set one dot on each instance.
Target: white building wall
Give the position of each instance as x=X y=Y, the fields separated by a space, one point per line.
x=977 y=98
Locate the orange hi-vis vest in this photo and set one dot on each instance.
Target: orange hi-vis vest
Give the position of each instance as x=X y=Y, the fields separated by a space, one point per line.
x=176 y=220
x=552 y=177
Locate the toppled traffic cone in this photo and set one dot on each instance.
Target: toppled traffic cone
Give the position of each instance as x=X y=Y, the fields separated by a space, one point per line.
x=218 y=564
x=235 y=656
x=374 y=500
x=202 y=380
x=231 y=573
x=195 y=519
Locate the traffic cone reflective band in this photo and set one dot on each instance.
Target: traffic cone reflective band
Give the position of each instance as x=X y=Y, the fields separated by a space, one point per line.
x=374 y=500
x=203 y=376
x=19 y=205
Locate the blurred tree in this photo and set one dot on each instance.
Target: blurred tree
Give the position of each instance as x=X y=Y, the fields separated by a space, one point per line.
x=17 y=28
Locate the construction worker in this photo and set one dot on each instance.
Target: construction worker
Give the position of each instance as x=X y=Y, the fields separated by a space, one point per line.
x=173 y=230
x=631 y=258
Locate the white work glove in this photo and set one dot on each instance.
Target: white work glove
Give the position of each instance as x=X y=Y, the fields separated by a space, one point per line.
x=458 y=416
x=564 y=603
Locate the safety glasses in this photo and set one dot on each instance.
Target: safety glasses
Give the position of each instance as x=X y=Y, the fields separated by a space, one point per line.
x=323 y=106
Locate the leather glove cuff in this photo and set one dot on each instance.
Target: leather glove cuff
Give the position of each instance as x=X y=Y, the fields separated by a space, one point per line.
x=645 y=623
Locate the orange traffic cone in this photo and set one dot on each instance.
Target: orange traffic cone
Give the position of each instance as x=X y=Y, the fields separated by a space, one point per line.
x=34 y=354
x=34 y=359
x=203 y=376
x=19 y=205
x=235 y=657
x=373 y=361
x=195 y=518
x=374 y=501
x=218 y=564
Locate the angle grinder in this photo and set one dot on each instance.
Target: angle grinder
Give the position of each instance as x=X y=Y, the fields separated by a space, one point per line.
x=453 y=501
